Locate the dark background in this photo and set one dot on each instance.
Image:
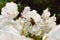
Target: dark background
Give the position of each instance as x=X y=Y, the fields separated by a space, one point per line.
x=39 y=5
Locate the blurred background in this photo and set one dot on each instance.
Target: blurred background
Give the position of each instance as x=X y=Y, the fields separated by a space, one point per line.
x=39 y=5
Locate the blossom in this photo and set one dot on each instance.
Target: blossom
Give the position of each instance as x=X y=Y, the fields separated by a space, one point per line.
x=54 y=34
x=34 y=15
x=31 y=14
x=43 y=24
x=25 y=11
x=35 y=29
x=36 y=18
x=30 y=22
x=50 y=23
x=5 y=21
x=10 y=10
x=46 y=14
x=28 y=15
x=10 y=29
x=9 y=33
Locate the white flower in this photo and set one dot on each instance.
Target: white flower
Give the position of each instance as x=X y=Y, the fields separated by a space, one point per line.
x=18 y=25
x=48 y=25
x=5 y=21
x=50 y=22
x=34 y=29
x=10 y=10
x=25 y=11
x=34 y=15
x=27 y=24
x=54 y=34
x=43 y=24
x=46 y=14
x=9 y=33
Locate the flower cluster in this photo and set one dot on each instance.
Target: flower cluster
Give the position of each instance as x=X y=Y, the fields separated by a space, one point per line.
x=30 y=26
